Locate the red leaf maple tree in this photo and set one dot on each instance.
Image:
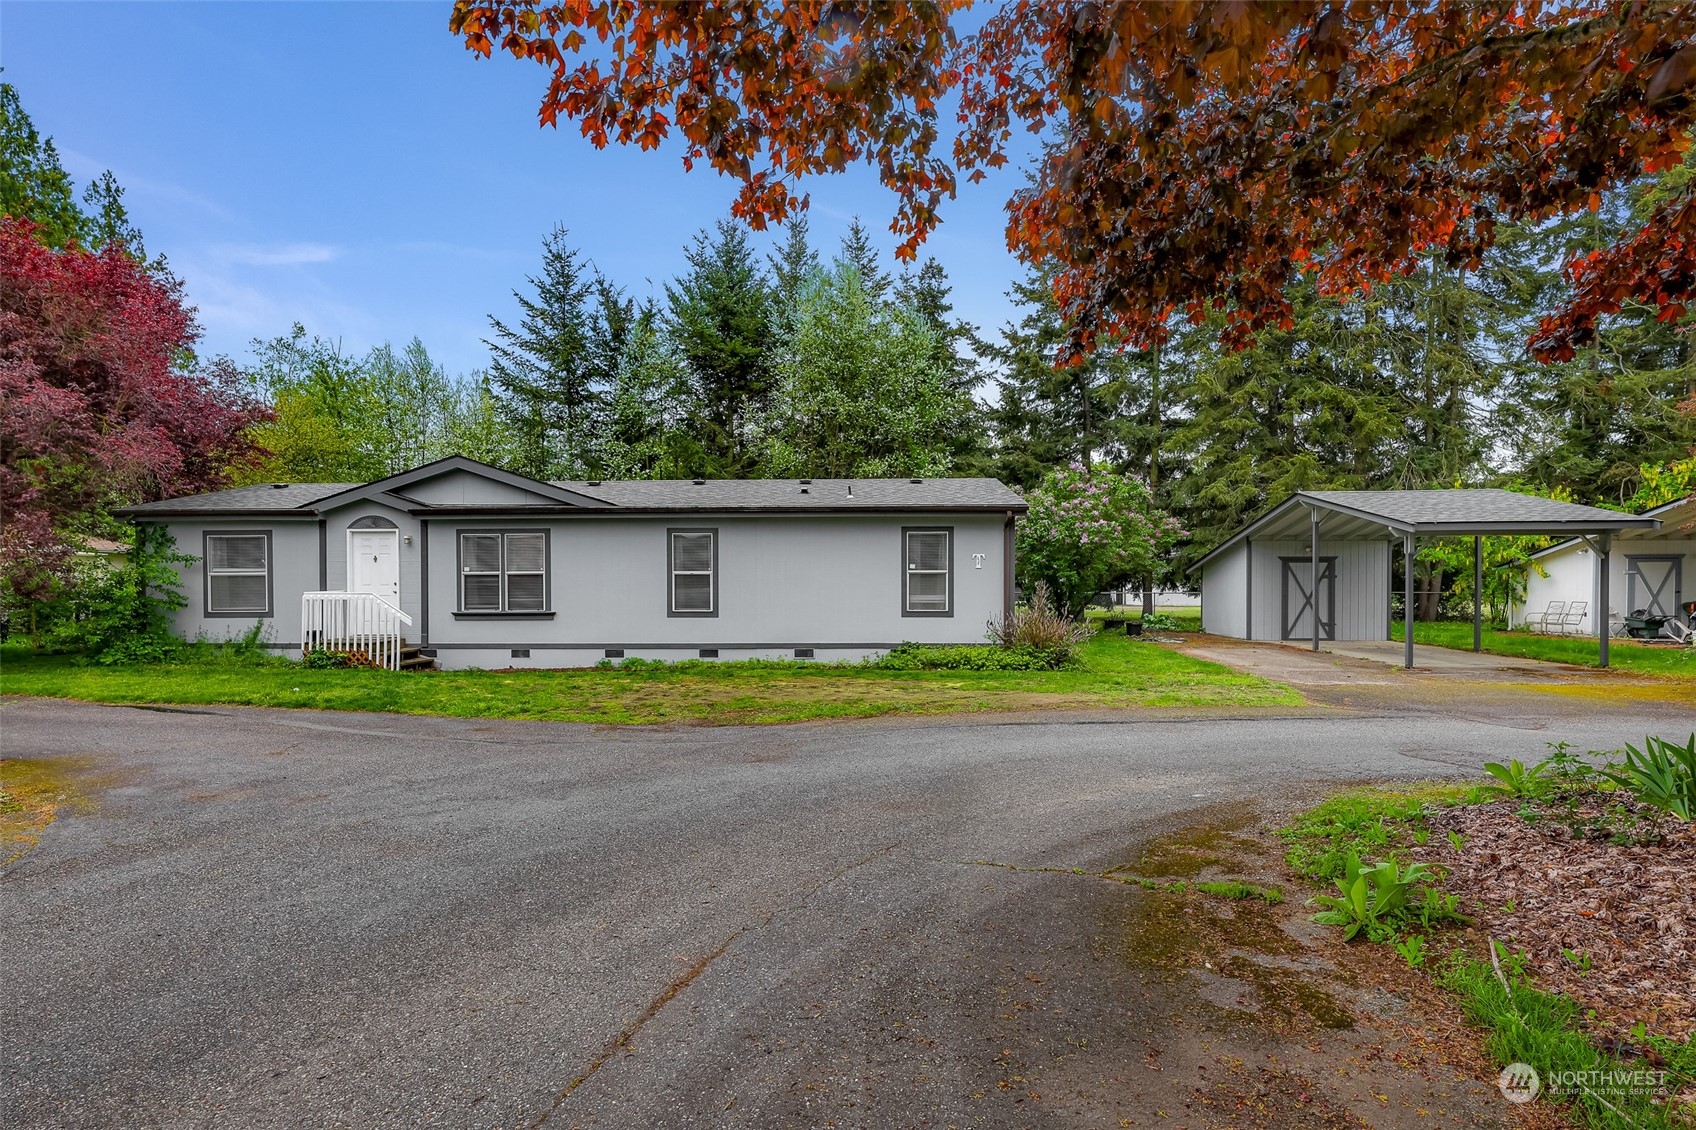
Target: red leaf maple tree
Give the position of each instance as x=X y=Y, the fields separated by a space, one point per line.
x=1196 y=154
x=94 y=406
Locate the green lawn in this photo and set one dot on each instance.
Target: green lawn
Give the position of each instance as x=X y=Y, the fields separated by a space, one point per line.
x=1626 y=656
x=1119 y=672
x=1189 y=619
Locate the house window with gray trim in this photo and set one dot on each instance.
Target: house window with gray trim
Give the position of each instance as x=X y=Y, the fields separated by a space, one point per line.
x=928 y=584
x=503 y=571
x=238 y=574
x=693 y=569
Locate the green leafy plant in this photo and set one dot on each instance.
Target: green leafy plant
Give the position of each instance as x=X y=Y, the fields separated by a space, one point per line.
x=1517 y=780
x=1661 y=775
x=1413 y=950
x=1372 y=899
x=1580 y=960
x=1457 y=841
x=1161 y=622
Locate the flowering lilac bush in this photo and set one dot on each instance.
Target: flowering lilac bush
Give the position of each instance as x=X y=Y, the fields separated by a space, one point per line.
x=1088 y=530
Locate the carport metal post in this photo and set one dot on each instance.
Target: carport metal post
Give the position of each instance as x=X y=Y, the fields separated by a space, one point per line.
x=1477 y=593
x=1407 y=601
x=1603 y=617
x=1313 y=572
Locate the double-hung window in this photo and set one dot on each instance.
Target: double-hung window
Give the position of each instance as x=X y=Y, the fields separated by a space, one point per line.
x=238 y=574
x=503 y=572
x=926 y=589
x=693 y=568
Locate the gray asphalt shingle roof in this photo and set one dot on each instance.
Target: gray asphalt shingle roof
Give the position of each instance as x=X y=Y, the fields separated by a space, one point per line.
x=1447 y=507
x=1347 y=514
x=664 y=494
x=263 y=496
x=794 y=494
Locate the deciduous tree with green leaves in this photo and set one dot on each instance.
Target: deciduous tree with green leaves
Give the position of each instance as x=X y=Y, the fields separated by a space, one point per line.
x=1088 y=530
x=860 y=392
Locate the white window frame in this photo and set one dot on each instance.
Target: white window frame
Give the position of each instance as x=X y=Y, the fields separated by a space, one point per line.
x=673 y=572
x=503 y=572
x=908 y=572
x=215 y=535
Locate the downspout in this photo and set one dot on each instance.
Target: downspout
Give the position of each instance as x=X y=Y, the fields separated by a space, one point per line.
x=1007 y=567
x=423 y=582
x=323 y=554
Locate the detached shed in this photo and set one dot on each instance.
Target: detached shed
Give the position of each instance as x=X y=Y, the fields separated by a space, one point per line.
x=1259 y=583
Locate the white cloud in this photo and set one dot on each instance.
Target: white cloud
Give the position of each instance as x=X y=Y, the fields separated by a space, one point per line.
x=277 y=255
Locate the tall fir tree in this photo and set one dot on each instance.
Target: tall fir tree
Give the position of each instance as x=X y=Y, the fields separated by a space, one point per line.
x=794 y=264
x=721 y=320
x=858 y=252
x=544 y=371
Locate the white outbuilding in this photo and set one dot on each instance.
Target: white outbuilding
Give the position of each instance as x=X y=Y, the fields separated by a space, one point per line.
x=1651 y=572
x=1258 y=584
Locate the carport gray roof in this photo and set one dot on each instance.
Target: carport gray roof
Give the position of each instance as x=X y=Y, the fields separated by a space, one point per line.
x=1428 y=513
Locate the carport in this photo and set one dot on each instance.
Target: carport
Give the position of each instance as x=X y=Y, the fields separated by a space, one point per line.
x=1326 y=557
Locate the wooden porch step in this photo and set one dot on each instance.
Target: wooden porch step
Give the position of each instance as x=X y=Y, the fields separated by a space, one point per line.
x=412 y=658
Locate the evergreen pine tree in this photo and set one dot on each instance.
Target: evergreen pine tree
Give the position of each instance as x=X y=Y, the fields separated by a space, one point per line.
x=543 y=370
x=858 y=252
x=720 y=319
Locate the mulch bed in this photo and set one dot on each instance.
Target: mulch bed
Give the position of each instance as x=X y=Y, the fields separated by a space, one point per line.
x=1630 y=906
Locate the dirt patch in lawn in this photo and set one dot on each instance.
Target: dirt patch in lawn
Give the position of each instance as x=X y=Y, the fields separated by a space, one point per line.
x=1603 y=917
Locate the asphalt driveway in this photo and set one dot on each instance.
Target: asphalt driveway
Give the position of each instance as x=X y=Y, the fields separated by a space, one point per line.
x=281 y=918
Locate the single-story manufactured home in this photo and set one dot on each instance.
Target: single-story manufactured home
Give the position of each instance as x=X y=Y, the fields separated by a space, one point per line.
x=474 y=566
x=1258 y=584
x=1651 y=571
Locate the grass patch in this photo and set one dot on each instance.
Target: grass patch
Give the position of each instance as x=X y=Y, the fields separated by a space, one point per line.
x=1526 y=1025
x=1189 y=619
x=1624 y=655
x=1371 y=823
x=1232 y=889
x=1113 y=672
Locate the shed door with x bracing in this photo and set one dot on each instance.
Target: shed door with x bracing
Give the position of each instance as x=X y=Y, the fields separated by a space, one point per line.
x=1654 y=583
x=1298 y=602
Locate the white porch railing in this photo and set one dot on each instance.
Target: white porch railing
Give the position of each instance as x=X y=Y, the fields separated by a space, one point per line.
x=361 y=624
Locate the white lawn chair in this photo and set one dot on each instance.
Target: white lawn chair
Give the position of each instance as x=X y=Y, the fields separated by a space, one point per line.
x=1676 y=629
x=1540 y=621
x=1576 y=613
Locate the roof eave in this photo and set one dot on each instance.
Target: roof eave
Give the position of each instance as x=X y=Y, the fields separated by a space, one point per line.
x=620 y=511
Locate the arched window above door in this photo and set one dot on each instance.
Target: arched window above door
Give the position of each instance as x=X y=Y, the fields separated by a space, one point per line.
x=372 y=522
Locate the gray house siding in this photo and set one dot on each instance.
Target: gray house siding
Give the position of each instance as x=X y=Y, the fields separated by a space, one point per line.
x=336 y=524
x=833 y=583
x=462 y=488
x=293 y=567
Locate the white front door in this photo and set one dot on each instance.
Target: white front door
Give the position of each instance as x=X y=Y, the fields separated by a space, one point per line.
x=373 y=563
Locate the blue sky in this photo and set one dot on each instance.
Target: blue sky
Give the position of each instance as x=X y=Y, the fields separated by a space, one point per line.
x=352 y=167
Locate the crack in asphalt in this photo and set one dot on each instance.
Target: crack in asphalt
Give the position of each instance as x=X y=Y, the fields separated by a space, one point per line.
x=623 y=1039
x=670 y=993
